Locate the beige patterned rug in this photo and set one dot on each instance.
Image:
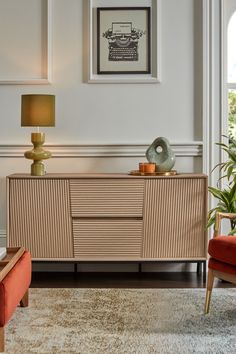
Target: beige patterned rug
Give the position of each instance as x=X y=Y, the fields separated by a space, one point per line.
x=123 y=321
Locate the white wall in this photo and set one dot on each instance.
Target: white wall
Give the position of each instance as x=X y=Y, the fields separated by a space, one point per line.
x=113 y=113
x=96 y=119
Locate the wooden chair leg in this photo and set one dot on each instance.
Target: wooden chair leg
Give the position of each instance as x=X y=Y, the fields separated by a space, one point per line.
x=210 y=281
x=2 y=339
x=25 y=299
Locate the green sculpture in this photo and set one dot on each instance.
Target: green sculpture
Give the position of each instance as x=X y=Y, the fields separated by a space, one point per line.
x=164 y=159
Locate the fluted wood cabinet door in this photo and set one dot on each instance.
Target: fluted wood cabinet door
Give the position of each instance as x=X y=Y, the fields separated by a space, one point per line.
x=39 y=217
x=174 y=218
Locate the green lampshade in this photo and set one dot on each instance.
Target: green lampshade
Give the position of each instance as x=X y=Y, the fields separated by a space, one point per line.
x=37 y=110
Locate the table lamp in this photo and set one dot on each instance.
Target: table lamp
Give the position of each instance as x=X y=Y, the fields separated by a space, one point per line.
x=37 y=111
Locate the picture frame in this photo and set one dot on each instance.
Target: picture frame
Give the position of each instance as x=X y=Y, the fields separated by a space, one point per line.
x=123 y=40
x=90 y=73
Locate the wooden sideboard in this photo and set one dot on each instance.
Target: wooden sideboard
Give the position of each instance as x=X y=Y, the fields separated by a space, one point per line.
x=108 y=217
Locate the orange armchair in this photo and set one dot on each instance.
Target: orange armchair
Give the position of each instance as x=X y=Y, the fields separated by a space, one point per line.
x=222 y=262
x=13 y=291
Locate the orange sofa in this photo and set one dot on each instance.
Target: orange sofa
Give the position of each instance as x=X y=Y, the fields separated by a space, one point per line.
x=14 y=291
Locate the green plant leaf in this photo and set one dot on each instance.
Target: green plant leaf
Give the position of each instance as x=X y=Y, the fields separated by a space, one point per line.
x=218 y=165
x=211 y=221
x=215 y=192
x=230 y=171
x=222 y=195
x=222 y=144
x=232 y=155
x=233 y=192
x=226 y=196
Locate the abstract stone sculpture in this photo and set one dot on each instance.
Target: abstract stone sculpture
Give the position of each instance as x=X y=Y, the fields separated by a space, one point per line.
x=165 y=159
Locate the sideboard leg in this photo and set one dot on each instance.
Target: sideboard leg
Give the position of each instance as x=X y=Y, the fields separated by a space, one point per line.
x=199 y=267
x=140 y=267
x=204 y=270
x=75 y=268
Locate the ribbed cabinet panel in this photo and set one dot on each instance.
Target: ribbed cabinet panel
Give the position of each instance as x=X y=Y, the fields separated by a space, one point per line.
x=107 y=238
x=175 y=218
x=106 y=197
x=39 y=217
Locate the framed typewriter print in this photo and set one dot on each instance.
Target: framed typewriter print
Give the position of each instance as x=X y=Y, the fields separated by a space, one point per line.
x=123 y=40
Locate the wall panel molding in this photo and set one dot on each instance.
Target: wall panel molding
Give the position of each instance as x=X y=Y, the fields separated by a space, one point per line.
x=193 y=148
x=212 y=95
x=45 y=55
x=3 y=237
x=3 y=233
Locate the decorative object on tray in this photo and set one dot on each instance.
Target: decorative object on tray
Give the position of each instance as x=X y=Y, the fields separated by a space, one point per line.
x=166 y=173
x=3 y=252
x=147 y=167
x=165 y=159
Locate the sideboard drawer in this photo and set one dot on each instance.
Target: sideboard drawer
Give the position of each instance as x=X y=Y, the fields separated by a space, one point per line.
x=107 y=238
x=106 y=197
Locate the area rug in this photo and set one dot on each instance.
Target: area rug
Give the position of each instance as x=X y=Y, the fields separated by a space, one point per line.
x=123 y=321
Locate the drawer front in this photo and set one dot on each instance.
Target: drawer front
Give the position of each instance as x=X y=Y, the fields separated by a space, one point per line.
x=101 y=239
x=106 y=197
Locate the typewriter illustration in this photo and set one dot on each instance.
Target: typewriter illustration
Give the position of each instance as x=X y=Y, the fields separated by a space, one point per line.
x=123 y=41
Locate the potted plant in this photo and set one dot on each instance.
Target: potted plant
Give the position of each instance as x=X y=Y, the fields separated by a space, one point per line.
x=227 y=195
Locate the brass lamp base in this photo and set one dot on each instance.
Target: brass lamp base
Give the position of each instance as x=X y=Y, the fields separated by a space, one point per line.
x=37 y=154
x=38 y=168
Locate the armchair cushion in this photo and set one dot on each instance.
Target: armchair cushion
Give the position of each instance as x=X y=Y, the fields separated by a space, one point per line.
x=13 y=287
x=223 y=248
x=221 y=267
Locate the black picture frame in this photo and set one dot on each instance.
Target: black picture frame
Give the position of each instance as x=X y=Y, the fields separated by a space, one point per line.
x=123 y=40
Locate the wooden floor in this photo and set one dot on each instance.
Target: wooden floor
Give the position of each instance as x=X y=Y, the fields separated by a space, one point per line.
x=121 y=280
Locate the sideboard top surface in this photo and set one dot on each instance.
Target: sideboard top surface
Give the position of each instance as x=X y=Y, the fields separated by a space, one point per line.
x=102 y=175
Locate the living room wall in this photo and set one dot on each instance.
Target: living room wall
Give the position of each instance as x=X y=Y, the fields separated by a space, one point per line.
x=100 y=127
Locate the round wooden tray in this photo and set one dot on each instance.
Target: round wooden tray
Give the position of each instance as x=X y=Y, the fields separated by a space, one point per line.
x=138 y=173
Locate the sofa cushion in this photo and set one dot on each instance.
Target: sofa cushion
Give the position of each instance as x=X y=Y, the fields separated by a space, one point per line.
x=223 y=248
x=14 y=286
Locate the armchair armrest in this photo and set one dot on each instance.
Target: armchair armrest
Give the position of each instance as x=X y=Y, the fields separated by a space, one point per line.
x=219 y=217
